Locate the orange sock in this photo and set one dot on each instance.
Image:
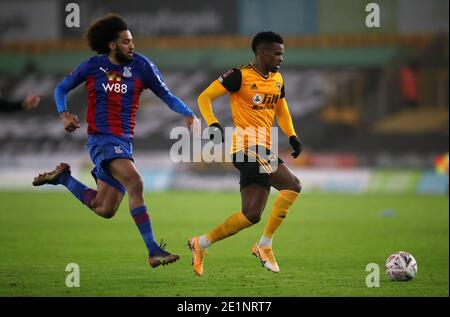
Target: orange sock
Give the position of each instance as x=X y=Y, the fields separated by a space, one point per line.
x=232 y=225
x=280 y=208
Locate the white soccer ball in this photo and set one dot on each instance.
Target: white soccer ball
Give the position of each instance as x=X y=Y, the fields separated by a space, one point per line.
x=401 y=266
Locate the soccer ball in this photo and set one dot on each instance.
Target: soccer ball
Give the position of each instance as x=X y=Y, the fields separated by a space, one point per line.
x=401 y=266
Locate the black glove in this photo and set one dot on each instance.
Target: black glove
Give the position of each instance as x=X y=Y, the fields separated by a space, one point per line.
x=296 y=145
x=216 y=134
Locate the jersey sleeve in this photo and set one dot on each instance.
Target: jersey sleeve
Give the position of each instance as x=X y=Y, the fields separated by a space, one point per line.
x=75 y=78
x=231 y=80
x=214 y=91
x=155 y=82
x=284 y=118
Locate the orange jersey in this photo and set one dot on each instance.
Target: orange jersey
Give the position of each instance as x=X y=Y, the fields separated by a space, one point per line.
x=254 y=98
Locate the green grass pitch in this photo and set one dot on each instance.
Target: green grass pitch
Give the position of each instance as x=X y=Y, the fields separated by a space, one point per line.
x=322 y=248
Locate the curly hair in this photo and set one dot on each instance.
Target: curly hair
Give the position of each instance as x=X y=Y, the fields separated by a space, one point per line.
x=265 y=38
x=104 y=30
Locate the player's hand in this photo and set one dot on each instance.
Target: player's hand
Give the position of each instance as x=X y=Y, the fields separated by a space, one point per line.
x=31 y=101
x=296 y=145
x=69 y=121
x=216 y=133
x=193 y=123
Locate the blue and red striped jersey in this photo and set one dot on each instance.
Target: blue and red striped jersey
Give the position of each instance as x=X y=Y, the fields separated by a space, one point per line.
x=114 y=91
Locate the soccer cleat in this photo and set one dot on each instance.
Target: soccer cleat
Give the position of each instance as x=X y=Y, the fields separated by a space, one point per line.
x=198 y=255
x=51 y=177
x=162 y=257
x=265 y=255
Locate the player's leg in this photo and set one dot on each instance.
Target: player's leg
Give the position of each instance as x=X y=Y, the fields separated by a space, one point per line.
x=284 y=180
x=107 y=200
x=254 y=193
x=125 y=172
x=289 y=188
x=61 y=175
x=254 y=198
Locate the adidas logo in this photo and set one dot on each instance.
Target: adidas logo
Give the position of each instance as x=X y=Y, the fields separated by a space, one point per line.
x=253 y=86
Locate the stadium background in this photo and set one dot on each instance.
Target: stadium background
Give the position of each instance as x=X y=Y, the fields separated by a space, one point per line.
x=343 y=84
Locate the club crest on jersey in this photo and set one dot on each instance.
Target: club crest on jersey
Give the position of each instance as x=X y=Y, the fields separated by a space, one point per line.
x=127 y=72
x=278 y=85
x=257 y=99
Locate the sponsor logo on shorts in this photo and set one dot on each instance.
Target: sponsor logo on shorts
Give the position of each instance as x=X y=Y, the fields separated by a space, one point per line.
x=118 y=150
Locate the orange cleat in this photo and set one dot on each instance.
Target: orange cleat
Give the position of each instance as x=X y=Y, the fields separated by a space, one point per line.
x=198 y=255
x=265 y=255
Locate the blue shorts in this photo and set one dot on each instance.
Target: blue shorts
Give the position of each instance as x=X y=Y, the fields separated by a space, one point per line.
x=103 y=149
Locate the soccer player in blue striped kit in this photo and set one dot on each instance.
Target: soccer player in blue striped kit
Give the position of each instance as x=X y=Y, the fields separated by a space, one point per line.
x=114 y=80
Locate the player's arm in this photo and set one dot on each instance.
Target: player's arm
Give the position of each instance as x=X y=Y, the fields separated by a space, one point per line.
x=228 y=82
x=204 y=100
x=284 y=118
x=155 y=82
x=75 y=78
x=285 y=123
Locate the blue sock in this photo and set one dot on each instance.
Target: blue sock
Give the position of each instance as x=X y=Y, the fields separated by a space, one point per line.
x=142 y=221
x=79 y=190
